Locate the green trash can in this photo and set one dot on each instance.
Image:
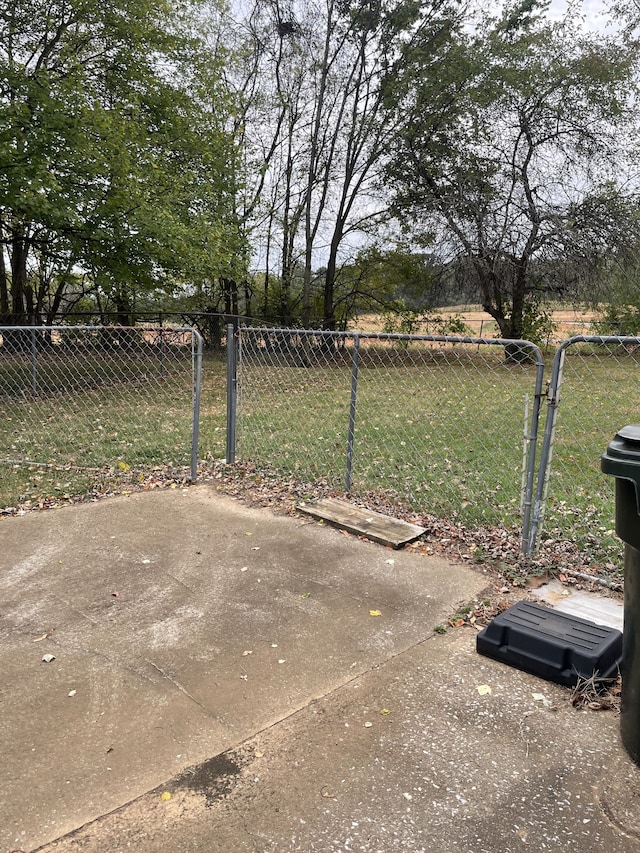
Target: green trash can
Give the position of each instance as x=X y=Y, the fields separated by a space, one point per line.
x=622 y=460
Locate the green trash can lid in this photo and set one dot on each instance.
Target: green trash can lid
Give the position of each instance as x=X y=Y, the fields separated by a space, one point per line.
x=622 y=457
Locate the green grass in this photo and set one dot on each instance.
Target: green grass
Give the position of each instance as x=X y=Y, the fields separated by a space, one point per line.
x=58 y=443
x=598 y=396
x=443 y=435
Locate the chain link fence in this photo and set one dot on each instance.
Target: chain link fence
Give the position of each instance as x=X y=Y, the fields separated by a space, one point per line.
x=592 y=394
x=441 y=425
x=445 y=425
x=116 y=400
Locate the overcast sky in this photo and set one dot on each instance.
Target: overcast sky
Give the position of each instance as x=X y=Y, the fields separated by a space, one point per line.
x=593 y=11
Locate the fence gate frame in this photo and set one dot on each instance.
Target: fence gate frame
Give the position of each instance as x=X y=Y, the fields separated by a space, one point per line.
x=234 y=358
x=553 y=401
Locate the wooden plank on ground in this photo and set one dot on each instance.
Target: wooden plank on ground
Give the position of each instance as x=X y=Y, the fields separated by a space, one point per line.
x=374 y=525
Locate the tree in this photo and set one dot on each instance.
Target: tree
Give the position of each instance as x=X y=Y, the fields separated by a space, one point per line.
x=315 y=128
x=506 y=173
x=114 y=160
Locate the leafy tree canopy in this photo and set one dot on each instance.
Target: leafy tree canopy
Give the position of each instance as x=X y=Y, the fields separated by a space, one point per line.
x=114 y=157
x=511 y=169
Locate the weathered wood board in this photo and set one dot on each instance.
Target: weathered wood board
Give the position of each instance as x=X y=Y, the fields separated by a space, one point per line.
x=374 y=525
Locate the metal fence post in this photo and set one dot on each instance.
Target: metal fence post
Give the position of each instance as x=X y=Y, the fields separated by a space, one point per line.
x=532 y=438
x=232 y=395
x=196 y=338
x=546 y=453
x=34 y=361
x=553 y=400
x=352 y=410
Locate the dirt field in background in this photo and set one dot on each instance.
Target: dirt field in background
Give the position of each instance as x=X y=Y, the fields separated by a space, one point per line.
x=569 y=322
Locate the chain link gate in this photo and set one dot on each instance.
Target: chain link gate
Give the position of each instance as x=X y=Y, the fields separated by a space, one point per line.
x=119 y=399
x=444 y=424
x=598 y=378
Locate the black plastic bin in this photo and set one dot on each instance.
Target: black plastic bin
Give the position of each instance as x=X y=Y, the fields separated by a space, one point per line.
x=552 y=645
x=622 y=460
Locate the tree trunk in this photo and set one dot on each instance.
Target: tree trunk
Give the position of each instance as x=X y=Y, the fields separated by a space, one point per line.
x=4 y=283
x=19 y=256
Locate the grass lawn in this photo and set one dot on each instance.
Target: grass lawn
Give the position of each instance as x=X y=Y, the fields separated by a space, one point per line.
x=442 y=431
x=78 y=441
x=444 y=435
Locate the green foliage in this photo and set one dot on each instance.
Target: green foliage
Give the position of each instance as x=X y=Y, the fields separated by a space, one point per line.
x=618 y=320
x=538 y=325
x=407 y=322
x=505 y=155
x=402 y=321
x=620 y=313
x=113 y=157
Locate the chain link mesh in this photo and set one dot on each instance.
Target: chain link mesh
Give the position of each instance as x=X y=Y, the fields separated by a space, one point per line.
x=596 y=396
x=438 y=424
x=118 y=400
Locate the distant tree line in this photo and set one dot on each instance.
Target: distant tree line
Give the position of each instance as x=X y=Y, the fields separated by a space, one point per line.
x=300 y=163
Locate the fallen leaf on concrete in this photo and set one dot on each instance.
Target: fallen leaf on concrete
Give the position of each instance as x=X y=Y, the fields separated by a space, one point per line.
x=48 y=658
x=115 y=594
x=385 y=712
x=326 y=793
x=166 y=795
x=390 y=562
x=484 y=689
x=375 y=613
x=71 y=693
x=248 y=652
x=256 y=548
x=45 y=636
x=305 y=595
x=282 y=660
x=368 y=725
x=258 y=754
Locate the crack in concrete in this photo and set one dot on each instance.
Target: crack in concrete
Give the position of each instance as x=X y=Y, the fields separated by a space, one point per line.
x=176 y=684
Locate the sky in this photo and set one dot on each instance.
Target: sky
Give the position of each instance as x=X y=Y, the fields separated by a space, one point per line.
x=593 y=11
